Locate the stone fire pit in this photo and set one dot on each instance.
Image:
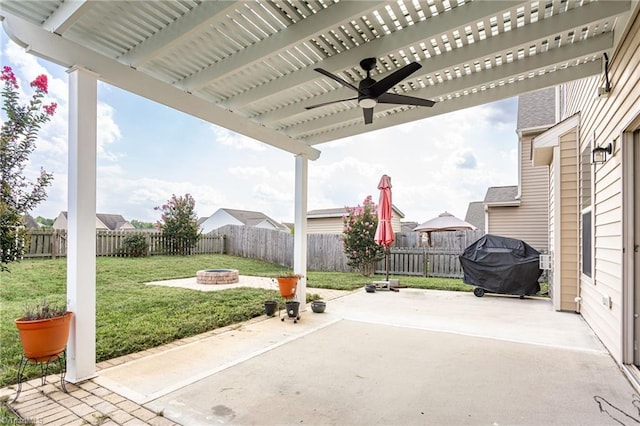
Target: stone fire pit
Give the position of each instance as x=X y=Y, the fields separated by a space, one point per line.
x=217 y=276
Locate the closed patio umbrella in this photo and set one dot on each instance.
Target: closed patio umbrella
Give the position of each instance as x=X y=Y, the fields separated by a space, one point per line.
x=384 y=235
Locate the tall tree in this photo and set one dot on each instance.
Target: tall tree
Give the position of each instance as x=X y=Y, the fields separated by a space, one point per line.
x=19 y=195
x=179 y=224
x=142 y=225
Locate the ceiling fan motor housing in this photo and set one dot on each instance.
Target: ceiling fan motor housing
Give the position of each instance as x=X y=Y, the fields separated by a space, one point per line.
x=365 y=99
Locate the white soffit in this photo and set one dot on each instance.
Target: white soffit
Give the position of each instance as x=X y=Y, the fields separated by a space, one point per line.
x=544 y=143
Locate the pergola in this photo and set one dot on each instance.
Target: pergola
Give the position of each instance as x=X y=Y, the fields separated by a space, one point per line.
x=248 y=66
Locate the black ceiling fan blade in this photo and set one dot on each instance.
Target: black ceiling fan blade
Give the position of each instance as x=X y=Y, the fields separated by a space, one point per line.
x=329 y=103
x=392 y=98
x=368 y=115
x=336 y=78
x=391 y=80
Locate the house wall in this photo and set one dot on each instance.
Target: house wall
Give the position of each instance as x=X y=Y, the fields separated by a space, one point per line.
x=62 y=223
x=529 y=221
x=568 y=219
x=218 y=219
x=334 y=225
x=324 y=225
x=602 y=121
x=265 y=224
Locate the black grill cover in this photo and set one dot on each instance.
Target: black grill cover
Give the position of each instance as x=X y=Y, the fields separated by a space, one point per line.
x=502 y=265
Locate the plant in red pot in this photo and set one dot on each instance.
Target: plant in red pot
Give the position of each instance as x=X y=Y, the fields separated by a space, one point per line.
x=287 y=284
x=44 y=331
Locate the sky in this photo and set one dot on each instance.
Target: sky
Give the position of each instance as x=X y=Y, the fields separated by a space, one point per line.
x=147 y=152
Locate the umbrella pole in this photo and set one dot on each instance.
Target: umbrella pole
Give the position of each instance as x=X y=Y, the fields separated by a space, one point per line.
x=386 y=257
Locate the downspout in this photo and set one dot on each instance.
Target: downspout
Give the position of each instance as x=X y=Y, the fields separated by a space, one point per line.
x=519 y=194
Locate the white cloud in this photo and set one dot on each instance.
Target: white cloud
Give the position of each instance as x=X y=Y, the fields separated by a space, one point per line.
x=466 y=160
x=108 y=131
x=234 y=140
x=250 y=172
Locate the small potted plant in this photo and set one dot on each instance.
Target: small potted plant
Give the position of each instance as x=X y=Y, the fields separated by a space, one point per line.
x=44 y=330
x=270 y=307
x=318 y=306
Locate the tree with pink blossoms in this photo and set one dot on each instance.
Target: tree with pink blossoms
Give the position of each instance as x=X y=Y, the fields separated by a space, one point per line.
x=358 y=233
x=19 y=195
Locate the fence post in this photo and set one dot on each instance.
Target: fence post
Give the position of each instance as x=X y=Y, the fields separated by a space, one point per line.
x=54 y=244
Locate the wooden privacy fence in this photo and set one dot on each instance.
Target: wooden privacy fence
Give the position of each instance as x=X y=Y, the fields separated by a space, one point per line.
x=53 y=243
x=422 y=262
x=324 y=251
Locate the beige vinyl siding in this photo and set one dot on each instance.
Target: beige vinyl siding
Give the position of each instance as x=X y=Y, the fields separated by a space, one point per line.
x=569 y=220
x=529 y=221
x=602 y=121
x=334 y=225
x=324 y=225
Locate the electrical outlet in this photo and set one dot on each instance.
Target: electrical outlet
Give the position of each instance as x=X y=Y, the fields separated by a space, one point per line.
x=606 y=301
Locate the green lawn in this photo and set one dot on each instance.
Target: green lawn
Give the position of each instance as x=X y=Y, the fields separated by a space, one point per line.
x=133 y=317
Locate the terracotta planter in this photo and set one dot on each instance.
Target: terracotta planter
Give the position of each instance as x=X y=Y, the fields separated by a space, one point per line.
x=42 y=339
x=287 y=286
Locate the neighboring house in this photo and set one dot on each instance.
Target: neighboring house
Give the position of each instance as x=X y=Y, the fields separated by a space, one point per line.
x=594 y=209
x=407 y=226
x=521 y=211
x=224 y=217
x=329 y=221
x=106 y=222
x=29 y=222
x=475 y=214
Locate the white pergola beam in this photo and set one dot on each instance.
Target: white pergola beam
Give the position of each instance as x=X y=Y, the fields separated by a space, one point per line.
x=67 y=53
x=176 y=32
x=450 y=105
x=425 y=30
x=282 y=41
x=66 y=15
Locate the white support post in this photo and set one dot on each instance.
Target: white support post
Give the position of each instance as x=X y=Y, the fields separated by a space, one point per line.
x=300 y=235
x=81 y=215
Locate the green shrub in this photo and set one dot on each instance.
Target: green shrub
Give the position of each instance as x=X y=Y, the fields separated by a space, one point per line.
x=136 y=245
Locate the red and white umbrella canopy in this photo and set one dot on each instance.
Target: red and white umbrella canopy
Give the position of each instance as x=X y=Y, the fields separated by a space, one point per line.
x=384 y=235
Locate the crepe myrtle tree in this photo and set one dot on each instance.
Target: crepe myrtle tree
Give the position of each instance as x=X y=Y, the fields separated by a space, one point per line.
x=19 y=194
x=358 y=233
x=179 y=224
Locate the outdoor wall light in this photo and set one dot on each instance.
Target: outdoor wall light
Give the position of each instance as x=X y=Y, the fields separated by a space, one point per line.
x=599 y=154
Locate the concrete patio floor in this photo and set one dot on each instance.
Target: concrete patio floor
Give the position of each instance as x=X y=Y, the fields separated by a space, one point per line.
x=412 y=357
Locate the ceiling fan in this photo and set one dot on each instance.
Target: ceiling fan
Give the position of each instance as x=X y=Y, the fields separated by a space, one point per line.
x=371 y=92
